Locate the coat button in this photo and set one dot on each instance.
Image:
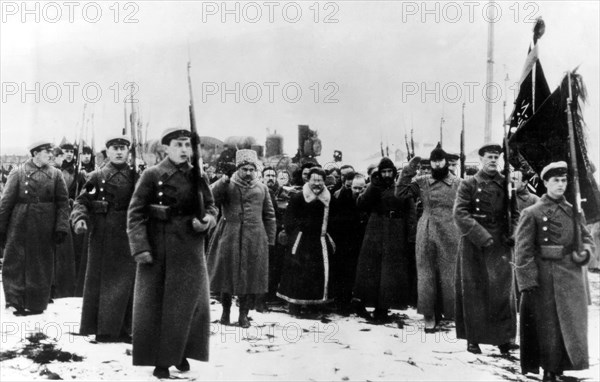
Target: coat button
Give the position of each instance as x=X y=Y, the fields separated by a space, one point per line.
x=101 y=189
x=545 y=228
x=477 y=208
x=545 y=219
x=479 y=189
x=27 y=192
x=160 y=182
x=160 y=193
x=545 y=239
x=103 y=181
x=477 y=200
x=26 y=183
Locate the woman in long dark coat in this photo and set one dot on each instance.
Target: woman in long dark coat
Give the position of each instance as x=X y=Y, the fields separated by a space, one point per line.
x=305 y=277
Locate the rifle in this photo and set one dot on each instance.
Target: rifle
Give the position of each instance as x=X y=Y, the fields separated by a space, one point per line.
x=412 y=144
x=509 y=190
x=408 y=157
x=78 y=157
x=199 y=184
x=462 y=144
x=133 y=121
x=573 y=160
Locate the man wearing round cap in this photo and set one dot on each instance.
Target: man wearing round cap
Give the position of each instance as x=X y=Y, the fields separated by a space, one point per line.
x=68 y=166
x=34 y=218
x=385 y=271
x=102 y=209
x=437 y=236
x=485 y=305
x=238 y=255
x=171 y=315
x=551 y=278
x=453 y=164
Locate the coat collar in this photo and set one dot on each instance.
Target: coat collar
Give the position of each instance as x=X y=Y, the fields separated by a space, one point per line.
x=550 y=205
x=524 y=194
x=168 y=167
x=449 y=179
x=31 y=167
x=309 y=196
x=110 y=170
x=482 y=177
x=235 y=178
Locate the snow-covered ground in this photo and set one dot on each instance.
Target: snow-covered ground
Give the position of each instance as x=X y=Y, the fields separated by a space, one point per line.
x=279 y=347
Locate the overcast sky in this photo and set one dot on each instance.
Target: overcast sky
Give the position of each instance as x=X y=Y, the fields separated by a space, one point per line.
x=383 y=67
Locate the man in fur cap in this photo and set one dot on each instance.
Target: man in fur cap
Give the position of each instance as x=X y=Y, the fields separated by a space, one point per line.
x=437 y=237
x=385 y=272
x=238 y=255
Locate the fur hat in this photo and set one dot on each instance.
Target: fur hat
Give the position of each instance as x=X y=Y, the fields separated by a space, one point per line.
x=437 y=154
x=244 y=157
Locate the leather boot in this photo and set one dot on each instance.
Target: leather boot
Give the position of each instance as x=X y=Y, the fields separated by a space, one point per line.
x=473 y=348
x=226 y=304
x=243 y=321
x=549 y=377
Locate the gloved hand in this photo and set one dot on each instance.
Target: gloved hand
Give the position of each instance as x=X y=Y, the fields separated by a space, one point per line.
x=80 y=227
x=282 y=238
x=410 y=170
x=509 y=241
x=581 y=258
x=488 y=243
x=59 y=237
x=143 y=258
x=207 y=223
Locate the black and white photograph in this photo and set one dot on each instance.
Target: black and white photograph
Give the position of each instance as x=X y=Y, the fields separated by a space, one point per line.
x=304 y=190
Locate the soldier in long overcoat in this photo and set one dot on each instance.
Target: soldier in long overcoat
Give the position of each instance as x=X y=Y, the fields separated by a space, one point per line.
x=34 y=218
x=550 y=275
x=171 y=313
x=306 y=274
x=437 y=236
x=238 y=255
x=110 y=275
x=485 y=304
x=384 y=275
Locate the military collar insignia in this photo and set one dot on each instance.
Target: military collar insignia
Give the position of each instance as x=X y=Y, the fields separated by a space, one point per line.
x=552 y=206
x=168 y=167
x=31 y=168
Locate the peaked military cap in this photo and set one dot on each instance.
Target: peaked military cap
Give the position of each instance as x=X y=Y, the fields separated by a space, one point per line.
x=118 y=140
x=40 y=145
x=490 y=148
x=554 y=169
x=174 y=133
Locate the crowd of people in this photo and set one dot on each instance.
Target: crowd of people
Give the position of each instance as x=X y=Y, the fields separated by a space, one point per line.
x=146 y=263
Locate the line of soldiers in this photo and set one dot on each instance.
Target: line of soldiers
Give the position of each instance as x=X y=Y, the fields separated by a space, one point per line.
x=147 y=275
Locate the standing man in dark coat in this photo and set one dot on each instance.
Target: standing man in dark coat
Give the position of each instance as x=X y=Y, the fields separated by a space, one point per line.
x=34 y=218
x=347 y=230
x=279 y=199
x=238 y=256
x=80 y=242
x=110 y=275
x=551 y=278
x=305 y=279
x=385 y=272
x=437 y=236
x=485 y=303
x=171 y=313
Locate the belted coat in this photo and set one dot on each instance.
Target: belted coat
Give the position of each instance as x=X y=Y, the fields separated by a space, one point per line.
x=554 y=315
